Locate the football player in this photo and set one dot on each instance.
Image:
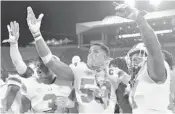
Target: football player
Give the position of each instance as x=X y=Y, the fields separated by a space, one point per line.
x=151 y=73
x=94 y=92
x=41 y=86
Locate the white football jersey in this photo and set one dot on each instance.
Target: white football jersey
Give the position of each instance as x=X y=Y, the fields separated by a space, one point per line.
x=87 y=92
x=42 y=95
x=149 y=96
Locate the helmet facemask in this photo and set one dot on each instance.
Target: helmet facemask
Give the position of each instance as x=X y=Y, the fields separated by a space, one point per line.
x=136 y=57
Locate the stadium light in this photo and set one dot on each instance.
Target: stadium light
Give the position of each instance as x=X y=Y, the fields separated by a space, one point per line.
x=138 y=34
x=155 y=2
x=131 y=3
x=121 y=28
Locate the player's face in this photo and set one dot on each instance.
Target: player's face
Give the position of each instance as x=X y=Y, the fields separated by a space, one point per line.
x=137 y=59
x=96 y=57
x=41 y=74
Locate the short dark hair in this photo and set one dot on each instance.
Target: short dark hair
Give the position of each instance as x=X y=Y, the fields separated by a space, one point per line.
x=119 y=62
x=103 y=47
x=168 y=58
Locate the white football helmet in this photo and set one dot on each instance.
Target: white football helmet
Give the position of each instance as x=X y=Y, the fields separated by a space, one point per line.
x=136 y=55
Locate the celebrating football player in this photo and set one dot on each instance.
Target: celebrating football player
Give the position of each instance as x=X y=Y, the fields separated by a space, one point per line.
x=41 y=86
x=151 y=73
x=93 y=90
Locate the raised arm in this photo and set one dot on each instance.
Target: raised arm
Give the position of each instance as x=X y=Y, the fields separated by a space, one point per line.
x=55 y=65
x=10 y=96
x=155 y=59
x=15 y=55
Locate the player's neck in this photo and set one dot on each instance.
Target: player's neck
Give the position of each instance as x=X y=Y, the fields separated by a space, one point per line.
x=103 y=67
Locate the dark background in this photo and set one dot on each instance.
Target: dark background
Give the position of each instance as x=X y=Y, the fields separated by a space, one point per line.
x=61 y=16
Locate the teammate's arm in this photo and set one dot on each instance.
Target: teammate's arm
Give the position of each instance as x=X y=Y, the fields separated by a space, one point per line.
x=55 y=65
x=155 y=60
x=14 y=84
x=25 y=104
x=10 y=96
x=15 y=55
x=123 y=99
x=18 y=62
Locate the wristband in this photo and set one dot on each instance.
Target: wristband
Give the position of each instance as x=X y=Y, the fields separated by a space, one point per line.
x=38 y=38
x=47 y=58
x=37 y=34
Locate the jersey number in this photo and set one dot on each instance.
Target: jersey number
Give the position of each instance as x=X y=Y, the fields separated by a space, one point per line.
x=51 y=104
x=90 y=93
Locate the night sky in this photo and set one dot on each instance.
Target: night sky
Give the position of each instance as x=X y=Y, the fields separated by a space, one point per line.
x=60 y=16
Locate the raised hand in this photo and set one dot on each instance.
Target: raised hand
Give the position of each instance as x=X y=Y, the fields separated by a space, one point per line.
x=13 y=30
x=33 y=23
x=125 y=11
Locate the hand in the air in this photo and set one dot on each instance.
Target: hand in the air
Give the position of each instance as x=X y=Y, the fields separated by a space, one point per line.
x=64 y=102
x=33 y=23
x=13 y=30
x=125 y=11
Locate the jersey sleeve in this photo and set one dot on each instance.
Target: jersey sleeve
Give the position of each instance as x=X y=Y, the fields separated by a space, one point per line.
x=27 y=88
x=14 y=80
